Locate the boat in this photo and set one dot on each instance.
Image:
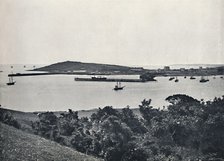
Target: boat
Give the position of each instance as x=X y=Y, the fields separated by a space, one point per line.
x=171 y=78
x=203 y=80
x=176 y=80
x=118 y=86
x=98 y=78
x=11 y=82
x=192 y=77
x=145 y=77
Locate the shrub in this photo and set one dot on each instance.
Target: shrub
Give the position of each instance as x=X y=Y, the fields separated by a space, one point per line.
x=7 y=118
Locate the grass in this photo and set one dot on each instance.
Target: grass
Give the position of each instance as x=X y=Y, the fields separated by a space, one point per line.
x=16 y=145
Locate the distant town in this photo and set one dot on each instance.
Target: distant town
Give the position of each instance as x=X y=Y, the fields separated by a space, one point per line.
x=79 y=68
x=200 y=71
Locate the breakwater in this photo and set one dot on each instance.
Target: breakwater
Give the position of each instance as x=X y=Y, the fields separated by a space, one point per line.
x=112 y=80
x=29 y=74
x=51 y=73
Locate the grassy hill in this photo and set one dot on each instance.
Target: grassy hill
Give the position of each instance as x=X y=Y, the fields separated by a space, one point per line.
x=18 y=145
x=25 y=119
x=71 y=66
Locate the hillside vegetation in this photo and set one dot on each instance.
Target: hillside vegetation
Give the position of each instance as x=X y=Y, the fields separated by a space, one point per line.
x=16 y=145
x=188 y=130
x=79 y=66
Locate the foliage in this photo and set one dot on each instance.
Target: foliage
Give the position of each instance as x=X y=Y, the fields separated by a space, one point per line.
x=47 y=126
x=187 y=130
x=7 y=118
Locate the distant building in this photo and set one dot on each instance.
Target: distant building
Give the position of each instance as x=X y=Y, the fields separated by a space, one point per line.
x=193 y=70
x=182 y=69
x=166 y=68
x=137 y=69
x=79 y=71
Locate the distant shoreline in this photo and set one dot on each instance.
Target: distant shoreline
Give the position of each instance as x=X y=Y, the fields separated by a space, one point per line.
x=81 y=113
x=105 y=74
x=80 y=68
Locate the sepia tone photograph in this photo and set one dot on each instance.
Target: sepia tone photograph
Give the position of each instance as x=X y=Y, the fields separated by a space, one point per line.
x=112 y=80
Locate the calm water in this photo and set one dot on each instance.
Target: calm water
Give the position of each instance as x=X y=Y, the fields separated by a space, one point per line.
x=60 y=92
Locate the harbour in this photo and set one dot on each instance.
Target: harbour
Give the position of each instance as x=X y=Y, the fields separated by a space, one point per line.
x=59 y=92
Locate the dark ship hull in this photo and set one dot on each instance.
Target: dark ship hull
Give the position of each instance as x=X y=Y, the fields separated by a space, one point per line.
x=118 y=88
x=204 y=80
x=10 y=83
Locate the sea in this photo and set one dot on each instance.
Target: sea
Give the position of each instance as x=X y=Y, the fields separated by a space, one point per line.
x=61 y=92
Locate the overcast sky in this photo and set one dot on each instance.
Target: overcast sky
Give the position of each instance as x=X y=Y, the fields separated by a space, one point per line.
x=128 y=32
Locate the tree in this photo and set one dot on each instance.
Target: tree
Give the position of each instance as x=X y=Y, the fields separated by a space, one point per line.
x=212 y=132
x=7 y=118
x=134 y=153
x=147 y=111
x=132 y=121
x=68 y=122
x=47 y=126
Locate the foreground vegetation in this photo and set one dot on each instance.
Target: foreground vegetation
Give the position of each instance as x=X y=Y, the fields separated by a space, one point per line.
x=188 y=129
x=16 y=145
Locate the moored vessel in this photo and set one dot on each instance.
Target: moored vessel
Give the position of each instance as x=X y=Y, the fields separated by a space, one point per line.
x=11 y=82
x=192 y=77
x=203 y=80
x=118 y=86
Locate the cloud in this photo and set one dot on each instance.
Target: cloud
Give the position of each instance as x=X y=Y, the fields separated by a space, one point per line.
x=124 y=32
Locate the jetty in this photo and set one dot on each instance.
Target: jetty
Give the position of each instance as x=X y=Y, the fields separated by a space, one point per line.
x=105 y=79
x=110 y=80
x=50 y=73
x=28 y=74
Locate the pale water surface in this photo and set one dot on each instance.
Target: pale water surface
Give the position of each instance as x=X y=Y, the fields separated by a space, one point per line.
x=60 y=92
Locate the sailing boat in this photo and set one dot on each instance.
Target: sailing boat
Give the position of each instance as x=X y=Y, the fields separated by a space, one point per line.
x=192 y=77
x=118 y=86
x=176 y=80
x=11 y=82
x=203 y=80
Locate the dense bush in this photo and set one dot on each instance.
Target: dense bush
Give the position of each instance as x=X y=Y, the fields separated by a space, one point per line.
x=7 y=118
x=47 y=126
x=187 y=130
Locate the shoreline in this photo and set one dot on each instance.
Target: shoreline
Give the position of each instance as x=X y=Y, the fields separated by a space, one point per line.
x=34 y=115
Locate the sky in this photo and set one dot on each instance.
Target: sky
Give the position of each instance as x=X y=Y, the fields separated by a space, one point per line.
x=124 y=32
